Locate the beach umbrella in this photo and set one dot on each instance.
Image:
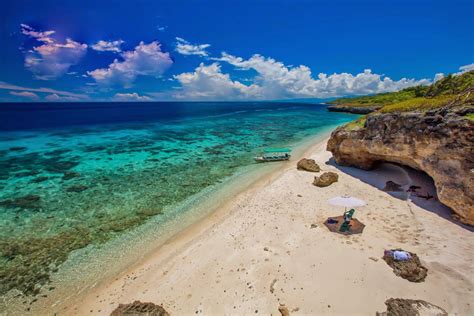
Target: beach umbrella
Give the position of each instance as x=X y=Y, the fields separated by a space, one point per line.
x=346 y=201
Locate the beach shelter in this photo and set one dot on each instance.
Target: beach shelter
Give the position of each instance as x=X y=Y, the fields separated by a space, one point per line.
x=336 y=224
x=346 y=201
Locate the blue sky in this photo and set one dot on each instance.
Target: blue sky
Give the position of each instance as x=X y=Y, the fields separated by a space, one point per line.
x=221 y=50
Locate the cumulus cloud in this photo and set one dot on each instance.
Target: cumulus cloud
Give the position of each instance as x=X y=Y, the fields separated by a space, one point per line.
x=51 y=59
x=208 y=82
x=277 y=80
x=108 y=46
x=130 y=97
x=186 y=48
x=144 y=60
x=462 y=70
x=25 y=94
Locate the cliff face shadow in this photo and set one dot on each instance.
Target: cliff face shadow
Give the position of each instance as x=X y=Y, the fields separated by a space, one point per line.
x=405 y=177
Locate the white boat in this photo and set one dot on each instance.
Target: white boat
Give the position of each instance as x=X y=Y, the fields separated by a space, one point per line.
x=274 y=154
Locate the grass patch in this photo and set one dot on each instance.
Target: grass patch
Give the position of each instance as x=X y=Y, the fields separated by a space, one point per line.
x=356 y=124
x=415 y=98
x=382 y=98
x=418 y=104
x=470 y=116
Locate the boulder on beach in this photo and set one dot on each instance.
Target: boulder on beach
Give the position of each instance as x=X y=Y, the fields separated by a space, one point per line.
x=407 y=307
x=308 y=165
x=325 y=179
x=391 y=186
x=138 y=308
x=411 y=269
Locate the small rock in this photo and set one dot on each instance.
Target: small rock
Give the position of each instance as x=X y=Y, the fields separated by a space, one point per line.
x=265 y=249
x=373 y=259
x=308 y=165
x=138 y=308
x=272 y=286
x=399 y=306
x=283 y=310
x=314 y=226
x=326 y=179
x=391 y=186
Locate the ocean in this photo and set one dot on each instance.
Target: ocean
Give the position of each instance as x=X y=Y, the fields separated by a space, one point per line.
x=80 y=176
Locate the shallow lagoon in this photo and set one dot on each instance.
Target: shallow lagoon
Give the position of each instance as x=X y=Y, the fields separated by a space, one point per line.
x=71 y=177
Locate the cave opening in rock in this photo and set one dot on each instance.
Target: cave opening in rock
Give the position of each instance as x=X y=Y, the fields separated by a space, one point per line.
x=405 y=183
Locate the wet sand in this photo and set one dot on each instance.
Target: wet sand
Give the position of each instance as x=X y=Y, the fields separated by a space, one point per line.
x=259 y=250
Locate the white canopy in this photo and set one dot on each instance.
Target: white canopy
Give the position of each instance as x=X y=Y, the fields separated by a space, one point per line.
x=346 y=201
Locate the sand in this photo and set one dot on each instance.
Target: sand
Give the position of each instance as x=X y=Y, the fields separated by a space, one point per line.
x=259 y=250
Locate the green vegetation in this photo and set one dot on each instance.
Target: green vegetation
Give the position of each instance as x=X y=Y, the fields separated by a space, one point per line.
x=421 y=104
x=421 y=98
x=383 y=98
x=356 y=124
x=450 y=90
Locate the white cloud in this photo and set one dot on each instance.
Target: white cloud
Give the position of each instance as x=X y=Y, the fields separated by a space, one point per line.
x=8 y=86
x=44 y=37
x=130 y=97
x=208 y=82
x=144 y=60
x=25 y=94
x=465 y=68
x=51 y=59
x=108 y=46
x=462 y=70
x=186 y=48
x=279 y=81
x=438 y=76
x=57 y=98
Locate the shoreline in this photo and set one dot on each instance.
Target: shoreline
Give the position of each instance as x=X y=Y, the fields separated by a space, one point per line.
x=215 y=198
x=227 y=263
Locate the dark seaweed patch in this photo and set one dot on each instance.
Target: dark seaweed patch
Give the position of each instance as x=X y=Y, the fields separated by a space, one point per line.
x=68 y=175
x=77 y=188
x=31 y=201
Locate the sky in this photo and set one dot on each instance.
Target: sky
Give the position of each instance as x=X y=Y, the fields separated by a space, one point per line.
x=63 y=51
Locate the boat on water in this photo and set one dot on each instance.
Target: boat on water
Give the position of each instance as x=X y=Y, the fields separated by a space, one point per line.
x=274 y=154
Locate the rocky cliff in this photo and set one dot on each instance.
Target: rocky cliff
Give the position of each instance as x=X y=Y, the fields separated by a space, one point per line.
x=439 y=142
x=353 y=109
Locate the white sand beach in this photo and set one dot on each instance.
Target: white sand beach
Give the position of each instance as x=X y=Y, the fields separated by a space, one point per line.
x=259 y=250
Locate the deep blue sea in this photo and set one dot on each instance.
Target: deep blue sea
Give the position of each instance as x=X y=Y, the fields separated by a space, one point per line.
x=77 y=174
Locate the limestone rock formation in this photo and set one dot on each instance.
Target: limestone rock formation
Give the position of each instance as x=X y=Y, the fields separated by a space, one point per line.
x=407 y=307
x=308 y=165
x=354 y=109
x=138 y=308
x=439 y=142
x=325 y=179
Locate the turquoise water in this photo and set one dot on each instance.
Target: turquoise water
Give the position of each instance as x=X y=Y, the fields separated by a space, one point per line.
x=86 y=181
